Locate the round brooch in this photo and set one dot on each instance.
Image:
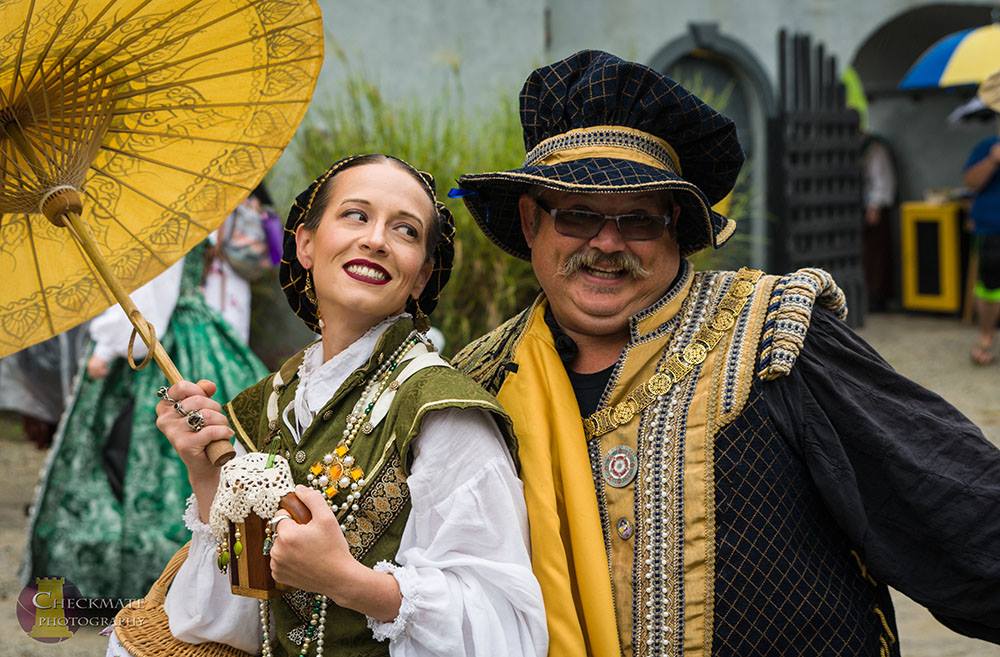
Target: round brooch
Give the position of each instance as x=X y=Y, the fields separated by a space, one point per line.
x=620 y=466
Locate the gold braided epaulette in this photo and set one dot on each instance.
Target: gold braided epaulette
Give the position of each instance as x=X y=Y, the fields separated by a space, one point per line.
x=679 y=365
x=788 y=315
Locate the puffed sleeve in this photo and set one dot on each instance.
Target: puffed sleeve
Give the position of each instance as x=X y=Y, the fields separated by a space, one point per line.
x=200 y=605
x=463 y=566
x=913 y=483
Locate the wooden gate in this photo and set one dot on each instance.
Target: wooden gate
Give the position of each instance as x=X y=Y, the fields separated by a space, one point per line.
x=815 y=190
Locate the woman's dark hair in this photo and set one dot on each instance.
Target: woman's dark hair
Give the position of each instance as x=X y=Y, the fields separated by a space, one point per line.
x=316 y=210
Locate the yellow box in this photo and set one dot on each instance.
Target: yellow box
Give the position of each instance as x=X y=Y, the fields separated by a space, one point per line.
x=931 y=256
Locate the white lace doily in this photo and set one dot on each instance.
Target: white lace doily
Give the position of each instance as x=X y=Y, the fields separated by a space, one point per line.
x=246 y=484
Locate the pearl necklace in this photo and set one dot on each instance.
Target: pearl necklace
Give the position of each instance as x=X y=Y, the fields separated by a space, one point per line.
x=335 y=472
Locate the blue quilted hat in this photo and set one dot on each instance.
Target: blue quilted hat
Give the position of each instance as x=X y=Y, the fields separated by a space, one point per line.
x=596 y=123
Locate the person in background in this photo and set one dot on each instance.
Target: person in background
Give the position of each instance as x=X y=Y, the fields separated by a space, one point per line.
x=241 y=253
x=36 y=383
x=983 y=178
x=880 y=200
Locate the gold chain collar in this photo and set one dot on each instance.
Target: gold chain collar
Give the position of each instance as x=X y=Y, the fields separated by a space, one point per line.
x=679 y=365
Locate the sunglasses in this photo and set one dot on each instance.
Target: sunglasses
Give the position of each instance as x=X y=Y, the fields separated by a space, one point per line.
x=585 y=224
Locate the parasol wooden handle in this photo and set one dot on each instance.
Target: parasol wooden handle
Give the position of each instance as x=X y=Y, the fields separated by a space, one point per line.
x=63 y=209
x=296 y=508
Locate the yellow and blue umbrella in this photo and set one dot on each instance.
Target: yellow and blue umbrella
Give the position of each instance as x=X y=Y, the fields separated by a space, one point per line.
x=963 y=58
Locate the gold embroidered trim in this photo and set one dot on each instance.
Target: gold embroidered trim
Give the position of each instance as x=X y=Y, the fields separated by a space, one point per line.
x=863 y=568
x=610 y=141
x=885 y=625
x=382 y=501
x=487 y=360
x=680 y=365
x=386 y=498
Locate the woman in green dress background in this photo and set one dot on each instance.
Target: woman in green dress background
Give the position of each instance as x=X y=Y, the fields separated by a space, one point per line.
x=108 y=509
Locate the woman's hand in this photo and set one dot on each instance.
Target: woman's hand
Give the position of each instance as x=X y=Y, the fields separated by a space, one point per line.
x=315 y=557
x=97 y=368
x=190 y=445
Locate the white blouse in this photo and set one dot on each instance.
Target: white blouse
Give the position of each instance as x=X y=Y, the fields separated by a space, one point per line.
x=464 y=569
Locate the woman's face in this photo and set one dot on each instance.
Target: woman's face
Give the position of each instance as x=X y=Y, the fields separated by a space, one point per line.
x=368 y=253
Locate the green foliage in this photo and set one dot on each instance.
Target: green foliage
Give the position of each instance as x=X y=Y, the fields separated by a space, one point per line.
x=736 y=251
x=486 y=284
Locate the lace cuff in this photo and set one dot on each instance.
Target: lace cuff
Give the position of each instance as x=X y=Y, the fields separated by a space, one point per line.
x=408 y=587
x=192 y=521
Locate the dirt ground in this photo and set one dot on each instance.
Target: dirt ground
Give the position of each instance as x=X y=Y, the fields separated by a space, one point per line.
x=934 y=352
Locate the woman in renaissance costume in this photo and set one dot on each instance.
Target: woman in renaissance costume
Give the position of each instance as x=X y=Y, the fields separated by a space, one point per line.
x=417 y=544
x=107 y=512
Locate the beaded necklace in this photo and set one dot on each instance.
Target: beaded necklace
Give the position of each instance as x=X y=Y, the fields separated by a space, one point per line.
x=335 y=472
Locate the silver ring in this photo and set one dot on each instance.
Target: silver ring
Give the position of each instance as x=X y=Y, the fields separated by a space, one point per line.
x=196 y=421
x=180 y=409
x=274 y=525
x=164 y=394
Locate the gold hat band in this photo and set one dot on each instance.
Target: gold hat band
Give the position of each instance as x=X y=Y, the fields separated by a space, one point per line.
x=617 y=142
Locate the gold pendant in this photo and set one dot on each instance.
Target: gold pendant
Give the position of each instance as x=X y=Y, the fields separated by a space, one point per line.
x=335 y=472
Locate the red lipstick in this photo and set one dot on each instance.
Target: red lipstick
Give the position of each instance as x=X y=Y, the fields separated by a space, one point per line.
x=367 y=271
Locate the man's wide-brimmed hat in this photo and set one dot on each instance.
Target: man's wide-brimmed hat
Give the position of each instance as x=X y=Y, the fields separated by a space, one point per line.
x=292 y=274
x=596 y=123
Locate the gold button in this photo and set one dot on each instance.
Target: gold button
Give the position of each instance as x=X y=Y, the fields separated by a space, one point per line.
x=328 y=415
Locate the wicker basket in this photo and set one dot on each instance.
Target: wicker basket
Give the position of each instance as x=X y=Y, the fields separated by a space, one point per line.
x=142 y=627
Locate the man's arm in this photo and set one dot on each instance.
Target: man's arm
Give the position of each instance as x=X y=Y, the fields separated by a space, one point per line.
x=978 y=175
x=912 y=482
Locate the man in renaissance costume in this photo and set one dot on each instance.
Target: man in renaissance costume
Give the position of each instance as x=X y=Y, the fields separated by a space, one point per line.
x=714 y=464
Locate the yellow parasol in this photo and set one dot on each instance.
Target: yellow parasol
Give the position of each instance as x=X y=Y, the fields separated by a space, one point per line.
x=129 y=129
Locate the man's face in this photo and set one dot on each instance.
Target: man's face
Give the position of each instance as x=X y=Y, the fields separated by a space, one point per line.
x=595 y=285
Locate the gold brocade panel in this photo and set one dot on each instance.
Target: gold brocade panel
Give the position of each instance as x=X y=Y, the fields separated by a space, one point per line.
x=663 y=572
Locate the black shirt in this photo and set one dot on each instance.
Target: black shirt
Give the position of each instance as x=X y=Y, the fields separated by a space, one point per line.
x=588 y=388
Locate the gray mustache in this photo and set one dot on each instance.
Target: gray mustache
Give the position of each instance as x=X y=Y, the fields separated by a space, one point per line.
x=594 y=258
